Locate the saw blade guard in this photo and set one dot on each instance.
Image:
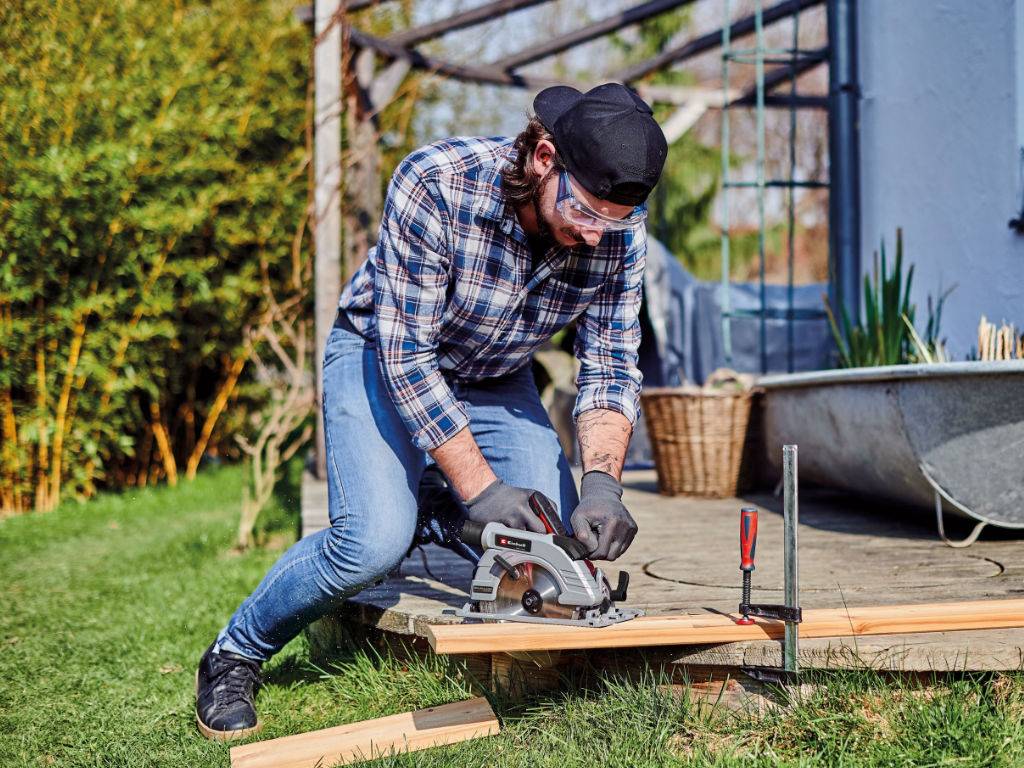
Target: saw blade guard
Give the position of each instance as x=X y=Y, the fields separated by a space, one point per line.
x=532 y=591
x=575 y=582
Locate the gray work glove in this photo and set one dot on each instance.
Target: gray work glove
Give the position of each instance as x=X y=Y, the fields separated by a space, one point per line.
x=600 y=521
x=505 y=504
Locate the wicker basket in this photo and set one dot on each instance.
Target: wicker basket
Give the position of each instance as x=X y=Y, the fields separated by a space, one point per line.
x=698 y=434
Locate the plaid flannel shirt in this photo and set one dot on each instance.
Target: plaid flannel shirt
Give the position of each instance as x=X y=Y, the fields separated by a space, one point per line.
x=450 y=292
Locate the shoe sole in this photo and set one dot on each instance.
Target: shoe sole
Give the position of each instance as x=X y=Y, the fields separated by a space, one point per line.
x=214 y=735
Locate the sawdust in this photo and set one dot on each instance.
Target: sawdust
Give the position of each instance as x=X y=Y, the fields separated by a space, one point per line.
x=1008 y=695
x=277 y=541
x=878 y=709
x=690 y=745
x=873 y=710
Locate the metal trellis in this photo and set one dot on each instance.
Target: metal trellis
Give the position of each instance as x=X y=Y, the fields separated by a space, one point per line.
x=796 y=61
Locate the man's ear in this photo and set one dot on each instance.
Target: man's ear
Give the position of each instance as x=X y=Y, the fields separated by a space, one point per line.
x=543 y=157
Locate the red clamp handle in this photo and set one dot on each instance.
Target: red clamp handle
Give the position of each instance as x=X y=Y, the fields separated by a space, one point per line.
x=748 y=537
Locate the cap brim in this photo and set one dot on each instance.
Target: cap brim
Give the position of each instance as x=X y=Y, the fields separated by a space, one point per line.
x=551 y=103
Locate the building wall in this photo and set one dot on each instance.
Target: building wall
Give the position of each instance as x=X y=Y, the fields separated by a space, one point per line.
x=940 y=152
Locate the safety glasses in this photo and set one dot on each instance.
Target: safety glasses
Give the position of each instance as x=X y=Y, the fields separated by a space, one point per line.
x=579 y=214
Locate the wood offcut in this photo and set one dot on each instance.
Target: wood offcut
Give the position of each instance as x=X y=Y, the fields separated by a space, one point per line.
x=345 y=744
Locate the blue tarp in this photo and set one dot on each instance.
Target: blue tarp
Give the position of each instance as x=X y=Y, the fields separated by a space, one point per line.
x=682 y=334
x=683 y=337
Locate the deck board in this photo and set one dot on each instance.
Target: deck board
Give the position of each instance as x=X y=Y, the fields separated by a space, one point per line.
x=685 y=559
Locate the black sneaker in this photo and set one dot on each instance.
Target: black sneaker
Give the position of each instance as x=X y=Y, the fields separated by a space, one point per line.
x=226 y=684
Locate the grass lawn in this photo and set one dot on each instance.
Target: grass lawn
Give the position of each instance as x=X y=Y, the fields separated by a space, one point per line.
x=105 y=609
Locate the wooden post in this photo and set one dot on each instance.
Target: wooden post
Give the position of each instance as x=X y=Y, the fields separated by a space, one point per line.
x=327 y=195
x=362 y=198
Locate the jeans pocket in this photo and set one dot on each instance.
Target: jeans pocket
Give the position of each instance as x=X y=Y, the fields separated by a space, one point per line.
x=342 y=343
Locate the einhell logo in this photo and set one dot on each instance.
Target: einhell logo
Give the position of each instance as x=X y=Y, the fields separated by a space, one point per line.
x=509 y=542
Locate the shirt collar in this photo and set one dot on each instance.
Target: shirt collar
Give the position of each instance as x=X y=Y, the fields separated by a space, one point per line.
x=491 y=204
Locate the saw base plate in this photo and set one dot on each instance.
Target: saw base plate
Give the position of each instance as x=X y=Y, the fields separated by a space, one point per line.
x=592 y=618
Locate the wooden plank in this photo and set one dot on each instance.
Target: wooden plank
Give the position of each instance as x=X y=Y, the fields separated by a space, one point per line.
x=344 y=744
x=719 y=628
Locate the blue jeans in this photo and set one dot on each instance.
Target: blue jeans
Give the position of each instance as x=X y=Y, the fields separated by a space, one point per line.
x=373 y=473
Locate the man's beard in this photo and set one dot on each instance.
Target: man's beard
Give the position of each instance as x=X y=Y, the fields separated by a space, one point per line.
x=544 y=232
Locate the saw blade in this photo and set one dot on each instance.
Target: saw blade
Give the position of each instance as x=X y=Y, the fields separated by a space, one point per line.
x=534 y=593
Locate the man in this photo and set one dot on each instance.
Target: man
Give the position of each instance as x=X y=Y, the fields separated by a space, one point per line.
x=487 y=247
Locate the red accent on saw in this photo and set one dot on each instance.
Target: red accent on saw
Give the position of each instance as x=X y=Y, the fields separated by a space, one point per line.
x=545 y=510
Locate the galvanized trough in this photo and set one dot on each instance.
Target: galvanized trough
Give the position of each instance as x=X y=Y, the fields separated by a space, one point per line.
x=947 y=437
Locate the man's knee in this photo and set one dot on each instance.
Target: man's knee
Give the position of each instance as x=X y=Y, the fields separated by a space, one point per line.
x=363 y=556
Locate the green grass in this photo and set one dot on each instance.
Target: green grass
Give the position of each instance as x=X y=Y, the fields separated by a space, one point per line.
x=105 y=609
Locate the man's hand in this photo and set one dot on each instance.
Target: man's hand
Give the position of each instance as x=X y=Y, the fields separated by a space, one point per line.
x=601 y=522
x=505 y=504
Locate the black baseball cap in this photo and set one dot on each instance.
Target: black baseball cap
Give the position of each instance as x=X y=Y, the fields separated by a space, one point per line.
x=607 y=138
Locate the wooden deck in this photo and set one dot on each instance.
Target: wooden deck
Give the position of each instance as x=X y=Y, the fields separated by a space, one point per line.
x=686 y=560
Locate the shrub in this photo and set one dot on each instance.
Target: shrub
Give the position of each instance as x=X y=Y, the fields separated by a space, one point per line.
x=152 y=174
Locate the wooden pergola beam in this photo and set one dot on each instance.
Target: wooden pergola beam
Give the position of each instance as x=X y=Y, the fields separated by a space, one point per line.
x=713 y=39
x=590 y=32
x=684 y=94
x=784 y=74
x=499 y=73
x=304 y=13
x=358 y=5
x=469 y=73
x=800 y=101
x=478 y=15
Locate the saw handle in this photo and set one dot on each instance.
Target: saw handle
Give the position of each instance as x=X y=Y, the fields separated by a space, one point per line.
x=545 y=510
x=748 y=537
x=472 y=533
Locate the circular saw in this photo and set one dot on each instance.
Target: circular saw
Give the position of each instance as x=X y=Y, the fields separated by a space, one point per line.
x=540 y=577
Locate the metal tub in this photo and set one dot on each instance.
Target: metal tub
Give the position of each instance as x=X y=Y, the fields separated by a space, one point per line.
x=947 y=437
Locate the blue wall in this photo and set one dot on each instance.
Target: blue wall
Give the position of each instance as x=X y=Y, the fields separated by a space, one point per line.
x=939 y=152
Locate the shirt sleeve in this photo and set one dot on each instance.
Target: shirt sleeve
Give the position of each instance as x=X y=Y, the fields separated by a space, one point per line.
x=411 y=267
x=608 y=339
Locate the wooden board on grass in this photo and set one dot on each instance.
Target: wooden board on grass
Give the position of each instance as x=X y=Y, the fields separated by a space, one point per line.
x=493 y=637
x=344 y=744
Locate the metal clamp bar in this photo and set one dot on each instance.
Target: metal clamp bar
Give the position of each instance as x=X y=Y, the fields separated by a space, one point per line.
x=778 y=612
x=791 y=512
x=798 y=313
